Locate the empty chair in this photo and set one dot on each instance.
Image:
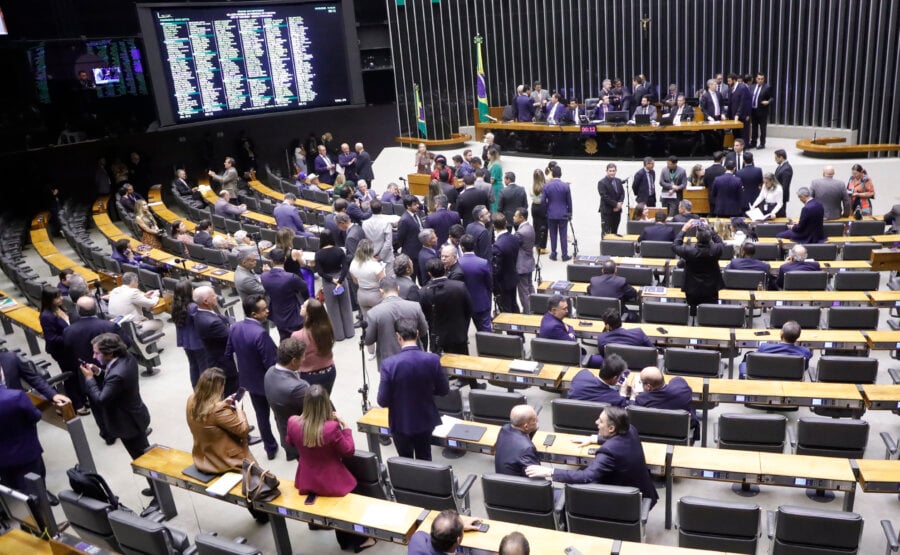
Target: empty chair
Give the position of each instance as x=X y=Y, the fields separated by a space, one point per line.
x=141 y=536
x=428 y=484
x=251 y=229
x=859 y=251
x=521 y=500
x=676 y=279
x=582 y=273
x=769 y=230
x=451 y=404
x=838 y=369
x=89 y=517
x=493 y=407
x=149 y=280
x=218 y=223
x=590 y=104
x=727 y=252
x=864 y=228
x=657 y=249
x=721 y=315
x=822 y=251
x=752 y=432
x=829 y=437
x=269 y=235
x=594 y=307
x=857 y=281
x=635 y=357
x=693 y=362
x=767 y=251
x=232 y=226
x=555 y=351
x=173 y=246
x=196 y=252
x=369 y=474
x=853 y=318
x=665 y=313
x=672 y=427
x=266 y=208
x=744 y=279
x=216 y=257
x=805 y=281
x=833 y=229
x=764 y=366
x=617 y=512
x=491 y=344
x=718 y=525
x=616 y=248
x=538 y=302
x=212 y=544
x=636 y=276
x=800 y=530
x=807 y=316
x=575 y=417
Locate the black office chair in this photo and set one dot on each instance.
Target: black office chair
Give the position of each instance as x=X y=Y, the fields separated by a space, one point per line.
x=137 y=535
x=865 y=228
x=429 y=485
x=451 y=404
x=833 y=229
x=636 y=357
x=581 y=273
x=212 y=544
x=853 y=318
x=218 y=223
x=727 y=252
x=752 y=432
x=171 y=245
x=657 y=249
x=856 y=281
x=822 y=251
x=672 y=427
x=493 y=407
x=665 y=313
x=829 y=437
x=721 y=315
x=521 y=500
x=635 y=227
x=805 y=281
x=858 y=251
x=767 y=251
x=216 y=257
x=594 y=307
x=748 y=280
x=800 y=530
x=692 y=362
x=718 y=525
x=556 y=351
x=676 y=278
x=371 y=476
x=489 y=344
x=838 y=369
x=617 y=248
x=765 y=366
x=571 y=416
x=232 y=226
x=809 y=317
x=89 y=518
x=616 y=512
x=590 y=104
x=636 y=276
x=538 y=302
x=149 y=280
x=196 y=252
x=769 y=230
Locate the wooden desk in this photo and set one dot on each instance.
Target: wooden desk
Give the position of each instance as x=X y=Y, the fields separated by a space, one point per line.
x=48 y=251
x=824 y=299
x=750 y=338
x=724 y=465
x=27 y=318
x=885 y=299
x=878 y=476
x=818 y=394
x=375 y=424
x=881 y=340
x=498 y=369
x=307 y=205
x=882 y=396
x=256 y=218
x=803 y=471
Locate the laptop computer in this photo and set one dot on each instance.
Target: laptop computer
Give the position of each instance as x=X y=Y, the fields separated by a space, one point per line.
x=466 y=432
x=667 y=119
x=642 y=119
x=617 y=117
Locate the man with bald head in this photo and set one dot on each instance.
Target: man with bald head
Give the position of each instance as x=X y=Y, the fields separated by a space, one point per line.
x=213 y=329
x=674 y=395
x=810 y=228
x=796 y=262
x=790 y=333
x=515 y=451
x=514 y=543
x=832 y=194
x=446 y=534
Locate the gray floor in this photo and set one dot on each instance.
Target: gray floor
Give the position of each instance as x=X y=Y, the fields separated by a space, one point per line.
x=166 y=393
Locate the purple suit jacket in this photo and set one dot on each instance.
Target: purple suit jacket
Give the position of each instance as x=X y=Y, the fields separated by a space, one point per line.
x=409 y=382
x=18 y=435
x=286 y=293
x=287 y=216
x=554 y=328
x=478 y=280
x=675 y=395
x=588 y=387
x=254 y=352
x=440 y=221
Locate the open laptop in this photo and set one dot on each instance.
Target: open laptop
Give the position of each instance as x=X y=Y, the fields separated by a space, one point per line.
x=642 y=119
x=618 y=117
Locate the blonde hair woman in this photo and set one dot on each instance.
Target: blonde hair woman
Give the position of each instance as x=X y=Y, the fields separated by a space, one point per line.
x=367 y=273
x=147 y=224
x=538 y=210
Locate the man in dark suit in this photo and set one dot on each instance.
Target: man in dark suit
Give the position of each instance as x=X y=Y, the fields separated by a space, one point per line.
x=479 y=282
x=811 y=227
x=796 y=262
x=714 y=170
x=553 y=327
x=639 y=91
x=505 y=253
x=523 y=105
x=287 y=215
x=525 y=260
x=470 y=197
x=746 y=261
x=739 y=105
x=681 y=112
x=448 y=308
x=183 y=188
x=353 y=233
x=19 y=439
x=675 y=395
x=790 y=333
x=286 y=389
x=128 y=197
x=408 y=229
x=213 y=329
x=573 y=114
x=586 y=386
x=354 y=206
x=659 y=231
x=512 y=196
x=711 y=103
x=364 y=164
x=441 y=219
x=202 y=235
x=761 y=97
x=612 y=195
x=286 y=291
x=450 y=259
x=614 y=333
x=610 y=285
x=479 y=231
x=727 y=193
x=324 y=166
x=736 y=155
x=644 y=183
x=619 y=461
x=409 y=382
x=428 y=252
x=514 y=449
x=14 y=373
x=751 y=180
x=684 y=212
x=702 y=276
x=784 y=174
x=253 y=351
x=555 y=110
x=557 y=200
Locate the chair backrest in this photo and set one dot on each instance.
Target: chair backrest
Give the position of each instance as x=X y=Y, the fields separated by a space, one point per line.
x=367 y=470
x=493 y=407
x=636 y=357
x=251 y=229
x=721 y=315
x=575 y=417
x=636 y=276
x=809 y=317
x=857 y=281
x=718 y=525
x=657 y=249
x=299 y=241
x=769 y=230
x=805 y=281
x=582 y=272
x=727 y=252
x=765 y=366
x=822 y=251
x=816 y=531
x=266 y=208
x=89 y=517
x=518 y=499
x=140 y=536
x=661 y=425
x=832 y=437
x=864 y=228
x=590 y=104
x=451 y=404
x=555 y=351
x=853 y=318
x=269 y=235
x=753 y=432
x=232 y=226
x=208 y=544
x=215 y=257
x=676 y=278
x=858 y=251
x=692 y=362
x=422 y=483
x=491 y=344
x=665 y=313
x=767 y=251
x=594 y=307
x=218 y=223
x=149 y=280
x=196 y=252
x=604 y=510
x=847 y=369
x=744 y=279
x=171 y=245
x=833 y=229
x=539 y=302
x=635 y=227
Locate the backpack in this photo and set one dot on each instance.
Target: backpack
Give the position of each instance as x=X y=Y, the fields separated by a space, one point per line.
x=90 y=484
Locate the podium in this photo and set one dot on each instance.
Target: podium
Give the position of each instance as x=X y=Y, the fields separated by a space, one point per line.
x=418 y=183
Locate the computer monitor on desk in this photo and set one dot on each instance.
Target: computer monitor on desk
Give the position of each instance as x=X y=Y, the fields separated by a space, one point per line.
x=618 y=117
x=22 y=508
x=642 y=119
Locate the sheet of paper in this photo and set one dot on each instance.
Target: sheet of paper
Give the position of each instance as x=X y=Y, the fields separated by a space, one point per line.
x=383 y=515
x=756 y=215
x=224 y=484
x=447 y=423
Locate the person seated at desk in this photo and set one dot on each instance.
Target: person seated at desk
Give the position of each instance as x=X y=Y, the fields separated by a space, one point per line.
x=128 y=197
x=392 y=195
x=514 y=543
x=646 y=108
x=681 y=112
x=599 y=112
x=573 y=114
x=605 y=389
x=446 y=534
x=811 y=227
x=675 y=395
x=771 y=197
x=620 y=460
x=555 y=110
x=746 y=261
x=553 y=327
x=220 y=429
x=790 y=333
x=287 y=215
x=796 y=262
x=322 y=438
x=123 y=254
x=684 y=214
x=202 y=235
x=130 y=302
x=609 y=284
x=224 y=207
x=514 y=449
x=659 y=231
x=614 y=333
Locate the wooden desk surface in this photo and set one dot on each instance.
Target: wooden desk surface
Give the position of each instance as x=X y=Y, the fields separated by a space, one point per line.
x=882 y=396
x=777 y=298
x=753 y=336
x=879 y=476
x=693 y=126
x=17 y=541
x=716 y=460
x=882 y=339
x=885 y=298
x=805 y=466
x=634 y=548
x=378 y=417
x=749 y=388
x=26 y=316
x=261 y=187
x=817 y=391
x=499 y=367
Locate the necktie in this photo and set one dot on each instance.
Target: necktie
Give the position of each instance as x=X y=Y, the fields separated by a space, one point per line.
x=649 y=183
x=756 y=96
x=2 y=377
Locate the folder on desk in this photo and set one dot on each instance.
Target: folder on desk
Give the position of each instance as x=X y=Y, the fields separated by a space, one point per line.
x=561 y=286
x=219 y=272
x=653 y=290
x=525 y=366
x=466 y=432
x=198 y=475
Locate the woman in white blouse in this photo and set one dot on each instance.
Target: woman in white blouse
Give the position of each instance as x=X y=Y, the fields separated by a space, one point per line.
x=770 y=196
x=367 y=273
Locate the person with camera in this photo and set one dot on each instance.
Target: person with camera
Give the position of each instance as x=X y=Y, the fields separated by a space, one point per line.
x=700 y=259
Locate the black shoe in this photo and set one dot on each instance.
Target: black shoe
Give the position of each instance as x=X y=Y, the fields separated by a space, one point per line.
x=108 y=440
x=54 y=500
x=271 y=454
x=567 y=258
x=252 y=427
x=147 y=492
x=553 y=257
x=384 y=440
x=261 y=518
x=255 y=439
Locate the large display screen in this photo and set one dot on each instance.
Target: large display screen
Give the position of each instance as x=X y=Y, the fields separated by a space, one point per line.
x=220 y=60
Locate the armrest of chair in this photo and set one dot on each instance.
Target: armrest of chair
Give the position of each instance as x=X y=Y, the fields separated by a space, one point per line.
x=715 y=431
x=462 y=491
x=893 y=542
x=890 y=446
x=190 y=550
x=792 y=438
x=560 y=505
x=770 y=524
x=150 y=338
x=813 y=374
x=538 y=409
x=585 y=360
x=59 y=378
x=894 y=374
x=646 y=503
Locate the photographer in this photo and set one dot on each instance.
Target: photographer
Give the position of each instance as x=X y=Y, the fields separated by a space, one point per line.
x=702 y=277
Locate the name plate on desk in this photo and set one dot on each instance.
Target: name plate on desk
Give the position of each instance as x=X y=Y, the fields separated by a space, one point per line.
x=803 y=482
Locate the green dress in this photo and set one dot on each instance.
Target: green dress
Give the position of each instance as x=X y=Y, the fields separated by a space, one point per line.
x=496 y=172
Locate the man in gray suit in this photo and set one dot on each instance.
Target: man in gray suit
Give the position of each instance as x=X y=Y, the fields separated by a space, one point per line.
x=525 y=259
x=673 y=181
x=286 y=388
x=512 y=196
x=245 y=280
x=832 y=194
x=382 y=318
x=229 y=177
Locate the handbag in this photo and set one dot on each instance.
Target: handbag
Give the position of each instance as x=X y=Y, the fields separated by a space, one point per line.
x=258 y=484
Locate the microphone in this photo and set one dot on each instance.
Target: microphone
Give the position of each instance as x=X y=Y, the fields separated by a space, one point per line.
x=401 y=178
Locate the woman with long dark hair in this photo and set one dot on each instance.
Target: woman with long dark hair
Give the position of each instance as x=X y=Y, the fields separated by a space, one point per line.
x=54 y=322
x=332 y=266
x=183 y=312
x=293 y=262
x=318 y=335
x=862 y=190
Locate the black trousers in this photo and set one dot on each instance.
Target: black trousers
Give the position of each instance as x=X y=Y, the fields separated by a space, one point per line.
x=263 y=423
x=759 y=122
x=539 y=217
x=416 y=446
x=609 y=222
x=136 y=445
x=14 y=476
x=506 y=298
